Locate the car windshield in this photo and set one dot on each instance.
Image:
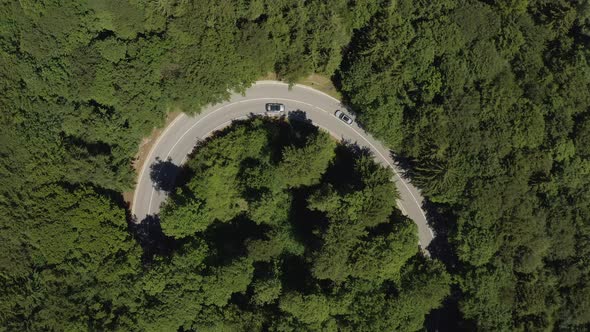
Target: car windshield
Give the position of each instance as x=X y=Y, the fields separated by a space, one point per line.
x=275 y=107
x=345 y=118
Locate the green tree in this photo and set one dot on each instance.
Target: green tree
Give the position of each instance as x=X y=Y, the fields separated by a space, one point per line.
x=305 y=166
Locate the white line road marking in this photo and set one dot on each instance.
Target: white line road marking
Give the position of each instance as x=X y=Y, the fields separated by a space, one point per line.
x=401 y=207
x=282 y=99
x=149 y=158
x=362 y=136
x=394 y=171
x=223 y=125
x=299 y=86
x=206 y=114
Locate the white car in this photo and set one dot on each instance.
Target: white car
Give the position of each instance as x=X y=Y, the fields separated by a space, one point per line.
x=343 y=116
x=275 y=108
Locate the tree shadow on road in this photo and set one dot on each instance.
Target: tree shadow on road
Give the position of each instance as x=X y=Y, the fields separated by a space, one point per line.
x=163 y=174
x=300 y=122
x=443 y=223
x=404 y=164
x=301 y=127
x=148 y=232
x=440 y=220
x=299 y=116
x=342 y=173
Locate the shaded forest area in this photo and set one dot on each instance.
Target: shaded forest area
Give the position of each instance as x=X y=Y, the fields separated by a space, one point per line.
x=486 y=101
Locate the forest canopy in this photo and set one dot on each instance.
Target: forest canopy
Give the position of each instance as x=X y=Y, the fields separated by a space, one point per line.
x=486 y=102
x=283 y=244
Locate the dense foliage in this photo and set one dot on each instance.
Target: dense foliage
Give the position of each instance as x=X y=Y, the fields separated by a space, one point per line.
x=489 y=101
x=81 y=82
x=486 y=101
x=284 y=232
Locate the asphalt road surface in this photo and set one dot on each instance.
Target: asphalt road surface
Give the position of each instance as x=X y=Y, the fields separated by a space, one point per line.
x=179 y=138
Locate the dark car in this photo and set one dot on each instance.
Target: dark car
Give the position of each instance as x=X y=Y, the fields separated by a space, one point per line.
x=275 y=107
x=343 y=116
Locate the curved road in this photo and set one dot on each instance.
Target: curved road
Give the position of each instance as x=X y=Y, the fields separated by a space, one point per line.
x=179 y=138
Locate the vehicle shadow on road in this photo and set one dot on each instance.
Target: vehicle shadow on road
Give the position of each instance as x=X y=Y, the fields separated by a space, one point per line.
x=163 y=174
